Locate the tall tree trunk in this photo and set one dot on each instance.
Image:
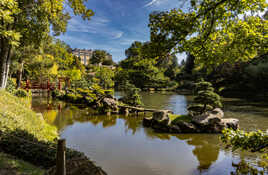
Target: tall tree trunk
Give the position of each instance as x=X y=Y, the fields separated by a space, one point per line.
x=8 y=61
x=19 y=74
x=3 y=65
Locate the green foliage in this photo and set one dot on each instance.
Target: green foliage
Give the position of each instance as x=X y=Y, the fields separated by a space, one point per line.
x=58 y=93
x=85 y=82
x=142 y=73
x=15 y=113
x=213 y=31
x=243 y=167
x=14 y=166
x=89 y=96
x=21 y=93
x=178 y=118
x=255 y=141
x=134 y=50
x=99 y=56
x=8 y=10
x=108 y=62
x=11 y=86
x=105 y=77
x=27 y=147
x=132 y=96
x=40 y=18
x=205 y=98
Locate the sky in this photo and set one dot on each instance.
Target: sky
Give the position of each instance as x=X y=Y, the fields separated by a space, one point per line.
x=115 y=25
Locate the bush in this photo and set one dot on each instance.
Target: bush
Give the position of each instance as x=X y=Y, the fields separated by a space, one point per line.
x=21 y=93
x=58 y=94
x=11 y=86
x=205 y=98
x=132 y=96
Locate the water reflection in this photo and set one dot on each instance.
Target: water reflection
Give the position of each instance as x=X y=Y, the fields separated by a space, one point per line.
x=206 y=148
x=122 y=145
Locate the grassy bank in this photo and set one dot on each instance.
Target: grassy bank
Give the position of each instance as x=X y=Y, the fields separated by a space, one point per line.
x=16 y=114
x=11 y=165
x=26 y=136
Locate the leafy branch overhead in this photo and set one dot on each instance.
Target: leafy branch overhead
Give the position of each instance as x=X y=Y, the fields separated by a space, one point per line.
x=214 y=31
x=27 y=23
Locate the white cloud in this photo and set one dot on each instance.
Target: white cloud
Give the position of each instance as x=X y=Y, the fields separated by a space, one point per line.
x=98 y=25
x=153 y=2
x=129 y=41
x=118 y=35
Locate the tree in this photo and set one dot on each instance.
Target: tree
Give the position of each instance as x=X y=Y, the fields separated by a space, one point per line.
x=213 y=31
x=132 y=96
x=27 y=23
x=9 y=37
x=205 y=98
x=134 y=50
x=105 y=77
x=98 y=56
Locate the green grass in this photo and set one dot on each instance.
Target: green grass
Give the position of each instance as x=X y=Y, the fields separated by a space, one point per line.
x=176 y=118
x=11 y=165
x=15 y=113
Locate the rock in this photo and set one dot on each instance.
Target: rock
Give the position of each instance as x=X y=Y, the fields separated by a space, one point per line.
x=231 y=123
x=111 y=102
x=187 y=127
x=161 y=117
x=209 y=118
x=147 y=122
x=160 y=126
x=174 y=129
x=213 y=128
x=218 y=112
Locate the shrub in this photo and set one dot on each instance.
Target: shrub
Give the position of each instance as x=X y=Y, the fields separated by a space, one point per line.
x=58 y=94
x=205 y=98
x=132 y=96
x=11 y=86
x=21 y=93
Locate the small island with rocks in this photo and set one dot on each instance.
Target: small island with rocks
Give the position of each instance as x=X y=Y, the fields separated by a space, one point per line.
x=204 y=115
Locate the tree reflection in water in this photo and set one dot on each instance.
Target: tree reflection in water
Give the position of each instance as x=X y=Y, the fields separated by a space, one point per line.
x=205 y=148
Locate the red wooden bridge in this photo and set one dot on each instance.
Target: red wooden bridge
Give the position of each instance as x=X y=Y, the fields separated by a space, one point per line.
x=45 y=84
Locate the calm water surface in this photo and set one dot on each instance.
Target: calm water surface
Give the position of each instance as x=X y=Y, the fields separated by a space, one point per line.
x=122 y=146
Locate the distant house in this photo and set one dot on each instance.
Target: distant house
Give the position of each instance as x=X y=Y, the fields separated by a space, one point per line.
x=83 y=54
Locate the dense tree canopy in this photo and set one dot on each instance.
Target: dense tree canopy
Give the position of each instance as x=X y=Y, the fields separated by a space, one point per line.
x=101 y=57
x=28 y=22
x=213 y=31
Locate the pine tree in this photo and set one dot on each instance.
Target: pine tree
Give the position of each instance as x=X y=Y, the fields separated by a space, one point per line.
x=132 y=96
x=205 y=98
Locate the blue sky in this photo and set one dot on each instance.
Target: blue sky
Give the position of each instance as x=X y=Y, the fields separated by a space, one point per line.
x=115 y=25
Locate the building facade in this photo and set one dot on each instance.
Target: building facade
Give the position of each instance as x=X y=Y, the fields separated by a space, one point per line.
x=84 y=55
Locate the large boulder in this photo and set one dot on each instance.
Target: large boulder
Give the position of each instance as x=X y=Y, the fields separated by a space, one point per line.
x=110 y=102
x=187 y=127
x=209 y=118
x=231 y=123
x=162 y=117
x=147 y=121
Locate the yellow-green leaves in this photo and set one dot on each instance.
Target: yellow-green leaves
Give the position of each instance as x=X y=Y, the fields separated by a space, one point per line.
x=214 y=31
x=8 y=9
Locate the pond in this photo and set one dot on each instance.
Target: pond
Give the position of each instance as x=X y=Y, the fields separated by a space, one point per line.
x=121 y=145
